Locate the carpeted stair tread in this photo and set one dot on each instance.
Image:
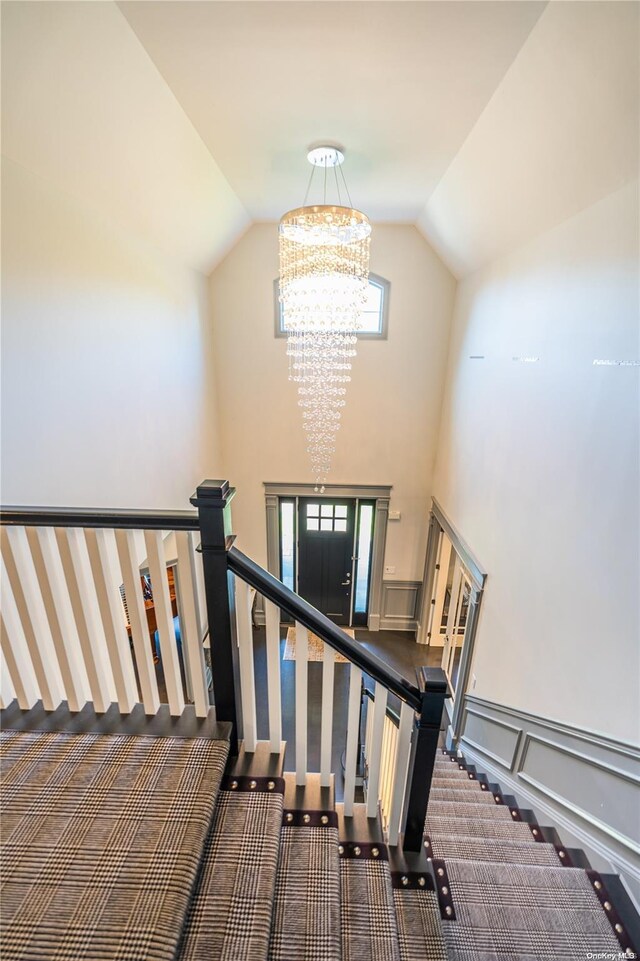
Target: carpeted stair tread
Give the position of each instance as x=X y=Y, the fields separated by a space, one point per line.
x=306 y=910
x=517 y=912
x=420 y=934
x=468 y=809
x=457 y=784
x=474 y=795
x=454 y=775
x=368 y=917
x=102 y=836
x=450 y=770
x=510 y=851
x=478 y=827
x=230 y=912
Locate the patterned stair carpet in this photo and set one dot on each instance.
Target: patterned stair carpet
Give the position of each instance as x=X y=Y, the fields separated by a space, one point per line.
x=102 y=837
x=123 y=848
x=230 y=912
x=369 y=927
x=511 y=895
x=306 y=908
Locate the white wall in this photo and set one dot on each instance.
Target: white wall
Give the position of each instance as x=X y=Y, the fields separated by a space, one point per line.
x=107 y=374
x=538 y=468
x=390 y=422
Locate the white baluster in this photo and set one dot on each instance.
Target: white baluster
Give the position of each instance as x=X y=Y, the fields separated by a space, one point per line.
x=403 y=752
x=302 y=655
x=91 y=631
x=190 y=626
x=164 y=619
x=245 y=656
x=272 y=620
x=353 y=727
x=326 y=727
x=15 y=647
x=114 y=626
x=128 y=556
x=7 y=692
x=74 y=675
x=40 y=642
x=377 y=728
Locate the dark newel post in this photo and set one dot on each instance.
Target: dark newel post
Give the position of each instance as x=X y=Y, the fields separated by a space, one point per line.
x=213 y=499
x=433 y=684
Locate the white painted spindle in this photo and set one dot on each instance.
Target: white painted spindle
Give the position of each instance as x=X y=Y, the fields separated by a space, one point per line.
x=245 y=656
x=274 y=690
x=128 y=555
x=114 y=626
x=15 y=647
x=190 y=626
x=164 y=618
x=91 y=631
x=377 y=729
x=7 y=692
x=39 y=639
x=353 y=727
x=403 y=752
x=302 y=655
x=74 y=675
x=326 y=724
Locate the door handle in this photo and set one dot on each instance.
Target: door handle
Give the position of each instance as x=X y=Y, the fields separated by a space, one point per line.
x=346 y=583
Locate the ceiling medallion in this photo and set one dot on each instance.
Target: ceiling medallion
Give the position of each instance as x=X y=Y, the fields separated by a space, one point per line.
x=324 y=272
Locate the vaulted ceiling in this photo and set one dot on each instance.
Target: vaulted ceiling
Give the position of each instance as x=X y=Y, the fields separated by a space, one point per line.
x=483 y=123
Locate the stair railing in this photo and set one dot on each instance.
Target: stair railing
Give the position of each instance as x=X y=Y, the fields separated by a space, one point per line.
x=64 y=638
x=65 y=633
x=229 y=609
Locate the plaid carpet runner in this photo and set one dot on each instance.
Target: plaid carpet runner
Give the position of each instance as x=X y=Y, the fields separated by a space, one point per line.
x=123 y=848
x=101 y=841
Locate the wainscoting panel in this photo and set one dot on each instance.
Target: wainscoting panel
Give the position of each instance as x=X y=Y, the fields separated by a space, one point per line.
x=494 y=737
x=584 y=784
x=400 y=605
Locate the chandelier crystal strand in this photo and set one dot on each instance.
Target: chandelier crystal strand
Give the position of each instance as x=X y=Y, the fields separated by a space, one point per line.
x=324 y=271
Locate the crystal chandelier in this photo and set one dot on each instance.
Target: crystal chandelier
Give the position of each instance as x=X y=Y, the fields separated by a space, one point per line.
x=324 y=272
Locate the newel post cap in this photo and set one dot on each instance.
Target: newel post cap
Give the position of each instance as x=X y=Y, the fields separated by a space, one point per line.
x=213 y=493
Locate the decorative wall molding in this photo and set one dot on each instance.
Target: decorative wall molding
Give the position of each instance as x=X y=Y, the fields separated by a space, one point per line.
x=400 y=605
x=584 y=784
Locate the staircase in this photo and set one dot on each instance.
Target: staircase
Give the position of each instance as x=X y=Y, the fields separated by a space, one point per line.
x=255 y=863
x=286 y=877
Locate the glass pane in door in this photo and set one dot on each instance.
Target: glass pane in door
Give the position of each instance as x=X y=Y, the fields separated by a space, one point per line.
x=287 y=544
x=363 y=554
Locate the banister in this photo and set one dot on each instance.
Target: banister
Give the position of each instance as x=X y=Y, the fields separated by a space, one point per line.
x=283 y=597
x=146 y=520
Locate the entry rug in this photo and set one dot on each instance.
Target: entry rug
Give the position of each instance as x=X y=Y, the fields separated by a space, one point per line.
x=316 y=646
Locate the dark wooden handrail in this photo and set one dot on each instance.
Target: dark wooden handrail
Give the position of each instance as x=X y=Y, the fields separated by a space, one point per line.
x=300 y=610
x=144 y=520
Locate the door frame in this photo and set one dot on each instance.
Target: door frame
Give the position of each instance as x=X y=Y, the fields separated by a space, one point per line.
x=439 y=523
x=379 y=493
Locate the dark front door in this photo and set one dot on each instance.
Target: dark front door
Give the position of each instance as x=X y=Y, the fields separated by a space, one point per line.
x=325 y=555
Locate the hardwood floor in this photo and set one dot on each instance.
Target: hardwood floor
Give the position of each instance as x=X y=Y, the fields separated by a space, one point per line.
x=397 y=648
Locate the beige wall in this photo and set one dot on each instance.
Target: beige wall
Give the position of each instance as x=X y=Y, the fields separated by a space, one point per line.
x=107 y=374
x=390 y=422
x=538 y=468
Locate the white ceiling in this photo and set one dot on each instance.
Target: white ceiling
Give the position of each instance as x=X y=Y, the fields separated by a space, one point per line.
x=483 y=122
x=399 y=84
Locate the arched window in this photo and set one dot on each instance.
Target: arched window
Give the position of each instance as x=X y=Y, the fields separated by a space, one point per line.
x=374 y=317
